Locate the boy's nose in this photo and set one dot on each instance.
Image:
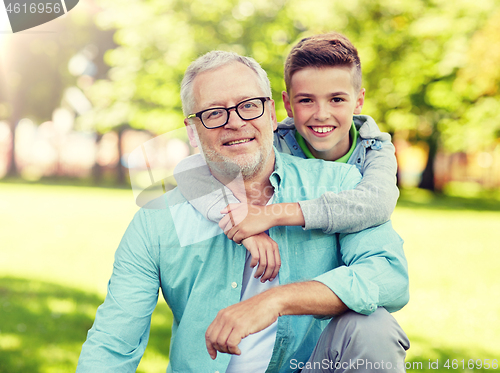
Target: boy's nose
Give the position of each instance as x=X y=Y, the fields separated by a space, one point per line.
x=322 y=112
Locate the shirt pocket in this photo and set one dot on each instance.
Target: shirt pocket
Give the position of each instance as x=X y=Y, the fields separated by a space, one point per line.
x=314 y=256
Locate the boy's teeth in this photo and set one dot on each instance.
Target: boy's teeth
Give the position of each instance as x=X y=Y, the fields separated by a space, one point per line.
x=237 y=141
x=322 y=129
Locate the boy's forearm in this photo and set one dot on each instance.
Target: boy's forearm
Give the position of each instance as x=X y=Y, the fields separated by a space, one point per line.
x=286 y=214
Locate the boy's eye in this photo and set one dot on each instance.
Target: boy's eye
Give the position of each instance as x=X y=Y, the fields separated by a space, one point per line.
x=337 y=99
x=305 y=100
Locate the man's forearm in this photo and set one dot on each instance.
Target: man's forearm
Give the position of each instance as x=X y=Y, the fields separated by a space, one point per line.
x=306 y=298
x=236 y=322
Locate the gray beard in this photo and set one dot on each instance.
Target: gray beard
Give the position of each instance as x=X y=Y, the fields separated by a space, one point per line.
x=229 y=169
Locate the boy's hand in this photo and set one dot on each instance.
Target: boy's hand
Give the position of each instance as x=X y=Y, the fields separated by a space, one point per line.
x=264 y=250
x=248 y=220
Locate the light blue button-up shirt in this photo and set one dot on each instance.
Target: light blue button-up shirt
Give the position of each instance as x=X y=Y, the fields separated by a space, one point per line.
x=171 y=246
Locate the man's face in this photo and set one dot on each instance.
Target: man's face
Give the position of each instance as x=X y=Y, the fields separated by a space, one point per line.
x=322 y=102
x=247 y=144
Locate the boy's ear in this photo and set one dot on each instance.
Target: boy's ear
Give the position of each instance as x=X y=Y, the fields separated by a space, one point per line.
x=191 y=133
x=286 y=101
x=360 y=101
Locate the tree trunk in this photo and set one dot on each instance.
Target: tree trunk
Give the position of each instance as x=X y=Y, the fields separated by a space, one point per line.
x=120 y=170
x=17 y=109
x=97 y=168
x=427 y=180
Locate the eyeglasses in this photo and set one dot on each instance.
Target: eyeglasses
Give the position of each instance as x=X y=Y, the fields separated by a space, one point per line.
x=252 y=108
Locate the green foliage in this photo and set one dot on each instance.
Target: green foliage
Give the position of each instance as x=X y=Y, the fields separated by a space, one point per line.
x=411 y=52
x=36 y=66
x=42 y=325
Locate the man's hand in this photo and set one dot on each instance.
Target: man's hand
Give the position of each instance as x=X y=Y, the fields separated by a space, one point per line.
x=238 y=321
x=264 y=250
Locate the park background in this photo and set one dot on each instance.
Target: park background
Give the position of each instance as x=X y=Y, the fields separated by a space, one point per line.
x=79 y=94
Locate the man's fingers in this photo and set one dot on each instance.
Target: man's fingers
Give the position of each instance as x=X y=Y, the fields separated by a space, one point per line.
x=254 y=252
x=277 y=265
x=210 y=348
x=270 y=265
x=232 y=343
x=255 y=260
x=216 y=337
x=262 y=263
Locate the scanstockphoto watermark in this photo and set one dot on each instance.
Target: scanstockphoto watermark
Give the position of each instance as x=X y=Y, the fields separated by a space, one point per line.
x=364 y=364
x=314 y=191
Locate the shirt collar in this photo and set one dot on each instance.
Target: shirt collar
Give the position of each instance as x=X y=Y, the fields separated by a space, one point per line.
x=277 y=174
x=353 y=134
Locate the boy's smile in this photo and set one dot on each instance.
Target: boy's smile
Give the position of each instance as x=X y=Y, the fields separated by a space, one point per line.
x=322 y=102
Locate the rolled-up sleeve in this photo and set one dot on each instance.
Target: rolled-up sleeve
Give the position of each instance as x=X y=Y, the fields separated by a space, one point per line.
x=375 y=271
x=118 y=338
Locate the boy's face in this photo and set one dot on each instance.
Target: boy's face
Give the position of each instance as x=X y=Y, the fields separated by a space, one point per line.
x=322 y=102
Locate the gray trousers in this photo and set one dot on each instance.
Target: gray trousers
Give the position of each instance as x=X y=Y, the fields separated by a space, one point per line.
x=357 y=343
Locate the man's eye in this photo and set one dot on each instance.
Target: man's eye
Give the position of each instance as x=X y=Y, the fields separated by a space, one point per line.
x=213 y=114
x=248 y=105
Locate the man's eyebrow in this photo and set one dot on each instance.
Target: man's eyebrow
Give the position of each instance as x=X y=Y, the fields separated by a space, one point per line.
x=215 y=104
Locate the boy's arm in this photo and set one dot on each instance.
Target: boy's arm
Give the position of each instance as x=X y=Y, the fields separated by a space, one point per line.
x=370 y=204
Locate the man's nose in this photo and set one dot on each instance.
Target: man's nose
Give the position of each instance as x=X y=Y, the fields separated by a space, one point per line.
x=322 y=112
x=234 y=121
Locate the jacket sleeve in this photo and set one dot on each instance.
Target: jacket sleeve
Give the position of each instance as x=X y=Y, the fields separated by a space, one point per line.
x=370 y=204
x=119 y=335
x=375 y=271
x=203 y=191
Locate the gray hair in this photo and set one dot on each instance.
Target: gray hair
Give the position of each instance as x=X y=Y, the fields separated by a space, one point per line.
x=214 y=60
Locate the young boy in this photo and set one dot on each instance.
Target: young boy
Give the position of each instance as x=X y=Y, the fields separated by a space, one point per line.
x=323 y=100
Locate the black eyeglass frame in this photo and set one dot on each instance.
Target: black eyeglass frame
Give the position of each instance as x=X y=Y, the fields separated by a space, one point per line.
x=235 y=107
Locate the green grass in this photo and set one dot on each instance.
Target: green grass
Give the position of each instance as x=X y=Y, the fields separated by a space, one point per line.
x=57 y=247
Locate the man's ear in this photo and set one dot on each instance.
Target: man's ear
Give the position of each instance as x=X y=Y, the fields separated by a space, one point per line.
x=191 y=133
x=286 y=101
x=360 y=101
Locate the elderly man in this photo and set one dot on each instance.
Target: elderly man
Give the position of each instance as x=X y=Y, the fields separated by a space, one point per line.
x=218 y=306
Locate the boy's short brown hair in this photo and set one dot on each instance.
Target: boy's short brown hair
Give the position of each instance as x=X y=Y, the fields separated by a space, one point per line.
x=324 y=50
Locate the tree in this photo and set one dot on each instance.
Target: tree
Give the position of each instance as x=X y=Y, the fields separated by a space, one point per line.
x=411 y=54
x=35 y=65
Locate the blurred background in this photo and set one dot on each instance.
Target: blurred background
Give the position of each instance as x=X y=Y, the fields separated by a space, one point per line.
x=79 y=94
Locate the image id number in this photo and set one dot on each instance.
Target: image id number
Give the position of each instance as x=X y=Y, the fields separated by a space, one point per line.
x=471 y=364
x=34 y=8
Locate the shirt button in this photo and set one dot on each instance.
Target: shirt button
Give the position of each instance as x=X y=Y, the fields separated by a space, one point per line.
x=234 y=285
